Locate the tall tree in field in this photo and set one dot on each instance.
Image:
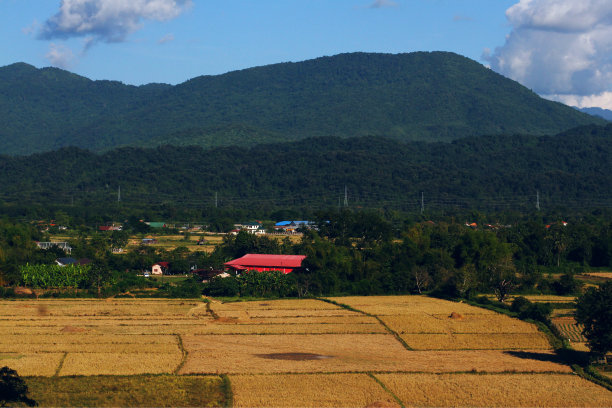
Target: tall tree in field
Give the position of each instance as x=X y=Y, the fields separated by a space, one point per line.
x=594 y=311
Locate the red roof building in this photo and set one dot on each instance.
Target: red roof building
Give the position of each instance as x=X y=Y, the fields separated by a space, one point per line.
x=263 y=263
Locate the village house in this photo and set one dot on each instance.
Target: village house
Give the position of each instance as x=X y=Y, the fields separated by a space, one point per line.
x=62 y=245
x=159 y=268
x=263 y=262
x=251 y=227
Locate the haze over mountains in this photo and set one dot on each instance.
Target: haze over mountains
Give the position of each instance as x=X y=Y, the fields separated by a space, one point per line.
x=421 y=96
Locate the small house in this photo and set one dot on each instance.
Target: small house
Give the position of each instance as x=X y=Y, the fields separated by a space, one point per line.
x=159 y=268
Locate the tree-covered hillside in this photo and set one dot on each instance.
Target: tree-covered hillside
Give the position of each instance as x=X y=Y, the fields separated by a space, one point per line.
x=569 y=169
x=434 y=96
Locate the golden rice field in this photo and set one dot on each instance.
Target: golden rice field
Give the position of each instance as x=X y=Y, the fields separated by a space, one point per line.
x=311 y=390
x=496 y=390
x=569 y=328
x=292 y=352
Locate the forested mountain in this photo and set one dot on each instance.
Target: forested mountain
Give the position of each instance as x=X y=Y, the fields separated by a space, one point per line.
x=568 y=169
x=435 y=96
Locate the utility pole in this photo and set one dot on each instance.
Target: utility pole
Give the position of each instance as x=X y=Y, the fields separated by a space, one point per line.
x=422 y=203
x=538 y=200
x=216 y=200
x=119 y=195
x=345 y=197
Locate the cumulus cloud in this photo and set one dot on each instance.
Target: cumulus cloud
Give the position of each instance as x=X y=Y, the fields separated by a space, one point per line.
x=107 y=20
x=60 y=56
x=559 y=48
x=383 y=4
x=602 y=100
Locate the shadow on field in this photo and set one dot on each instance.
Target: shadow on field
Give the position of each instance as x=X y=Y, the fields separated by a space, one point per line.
x=561 y=356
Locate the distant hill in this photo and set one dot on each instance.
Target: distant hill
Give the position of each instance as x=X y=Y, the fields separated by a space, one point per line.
x=602 y=113
x=568 y=169
x=435 y=96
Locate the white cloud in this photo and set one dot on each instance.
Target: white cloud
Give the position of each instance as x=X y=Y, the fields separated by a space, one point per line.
x=383 y=4
x=166 y=39
x=602 y=100
x=108 y=20
x=60 y=56
x=559 y=47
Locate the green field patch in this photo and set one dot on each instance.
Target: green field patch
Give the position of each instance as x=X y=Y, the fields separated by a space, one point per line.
x=128 y=391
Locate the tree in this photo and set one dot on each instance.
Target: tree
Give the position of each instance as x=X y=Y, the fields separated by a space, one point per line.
x=13 y=388
x=594 y=311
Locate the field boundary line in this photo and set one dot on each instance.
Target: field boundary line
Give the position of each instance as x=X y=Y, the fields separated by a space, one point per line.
x=393 y=332
x=60 y=365
x=184 y=352
x=387 y=390
x=210 y=311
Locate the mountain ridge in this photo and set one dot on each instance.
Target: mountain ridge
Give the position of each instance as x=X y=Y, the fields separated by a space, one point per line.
x=431 y=96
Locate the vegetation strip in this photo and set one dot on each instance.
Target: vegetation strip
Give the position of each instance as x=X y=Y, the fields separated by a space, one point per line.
x=183 y=351
x=210 y=311
x=60 y=365
x=347 y=307
x=226 y=389
x=384 y=387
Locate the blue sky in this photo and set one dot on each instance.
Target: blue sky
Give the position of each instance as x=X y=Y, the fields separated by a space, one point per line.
x=541 y=43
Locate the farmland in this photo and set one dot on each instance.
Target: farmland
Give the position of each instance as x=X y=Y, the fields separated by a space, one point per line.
x=346 y=351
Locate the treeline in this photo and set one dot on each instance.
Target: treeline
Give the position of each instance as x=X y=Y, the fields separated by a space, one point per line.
x=569 y=170
x=358 y=253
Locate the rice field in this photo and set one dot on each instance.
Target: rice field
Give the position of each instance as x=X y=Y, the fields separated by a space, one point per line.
x=311 y=390
x=402 y=305
x=569 y=328
x=496 y=390
x=290 y=352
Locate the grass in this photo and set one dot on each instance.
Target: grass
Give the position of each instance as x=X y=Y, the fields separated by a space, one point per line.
x=124 y=391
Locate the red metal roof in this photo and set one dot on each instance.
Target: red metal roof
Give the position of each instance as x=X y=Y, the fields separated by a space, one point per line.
x=286 y=261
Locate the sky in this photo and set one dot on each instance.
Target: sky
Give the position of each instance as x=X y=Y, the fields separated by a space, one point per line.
x=561 y=49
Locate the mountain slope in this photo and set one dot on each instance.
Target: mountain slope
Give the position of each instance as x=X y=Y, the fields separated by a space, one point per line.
x=434 y=96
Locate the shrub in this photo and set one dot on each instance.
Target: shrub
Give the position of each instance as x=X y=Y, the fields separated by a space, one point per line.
x=222 y=287
x=13 y=388
x=520 y=304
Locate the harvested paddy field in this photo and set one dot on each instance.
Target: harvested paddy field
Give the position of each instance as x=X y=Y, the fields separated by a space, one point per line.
x=495 y=390
x=434 y=324
x=310 y=390
x=358 y=351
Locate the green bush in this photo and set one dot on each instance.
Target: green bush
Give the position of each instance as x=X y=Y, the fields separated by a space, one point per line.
x=536 y=311
x=520 y=304
x=217 y=286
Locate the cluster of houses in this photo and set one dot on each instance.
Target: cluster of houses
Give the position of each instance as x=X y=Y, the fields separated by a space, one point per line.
x=281 y=227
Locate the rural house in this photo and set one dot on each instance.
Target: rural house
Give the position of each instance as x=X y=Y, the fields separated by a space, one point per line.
x=159 y=268
x=263 y=263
